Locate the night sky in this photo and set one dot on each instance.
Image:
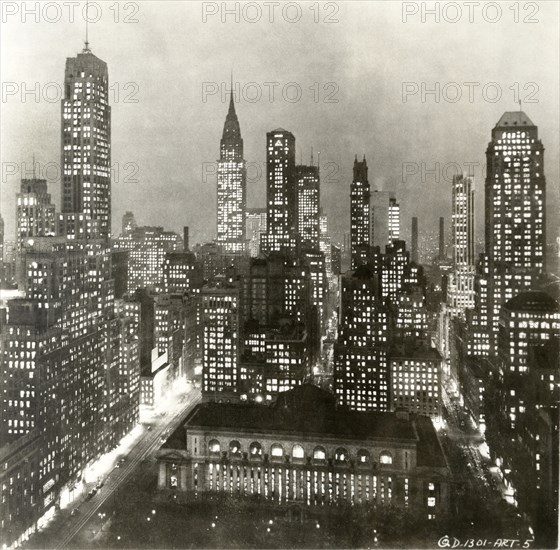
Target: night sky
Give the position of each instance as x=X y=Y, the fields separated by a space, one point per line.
x=166 y=59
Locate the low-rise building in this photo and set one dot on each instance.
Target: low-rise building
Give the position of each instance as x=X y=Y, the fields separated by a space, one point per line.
x=305 y=450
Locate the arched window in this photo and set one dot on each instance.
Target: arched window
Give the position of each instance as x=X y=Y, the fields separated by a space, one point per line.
x=235 y=448
x=298 y=452
x=363 y=457
x=276 y=451
x=341 y=455
x=255 y=450
x=319 y=453
x=214 y=447
x=385 y=458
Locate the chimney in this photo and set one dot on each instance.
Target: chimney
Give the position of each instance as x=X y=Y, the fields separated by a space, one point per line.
x=185 y=239
x=441 y=239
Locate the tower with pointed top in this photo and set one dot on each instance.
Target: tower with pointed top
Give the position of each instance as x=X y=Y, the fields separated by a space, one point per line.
x=360 y=230
x=86 y=148
x=232 y=186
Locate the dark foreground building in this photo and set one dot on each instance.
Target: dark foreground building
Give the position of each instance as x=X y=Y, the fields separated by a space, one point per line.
x=303 y=449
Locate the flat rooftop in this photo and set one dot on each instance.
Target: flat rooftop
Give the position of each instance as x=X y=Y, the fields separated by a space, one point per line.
x=310 y=411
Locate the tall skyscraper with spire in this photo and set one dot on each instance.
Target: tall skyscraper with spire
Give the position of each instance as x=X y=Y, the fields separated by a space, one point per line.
x=360 y=230
x=281 y=193
x=232 y=186
x=86 y=148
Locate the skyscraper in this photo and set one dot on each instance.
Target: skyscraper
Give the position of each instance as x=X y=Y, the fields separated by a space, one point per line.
x=219 y=311
x=414 y=244
x=35 y=214
x=232 y=187
x=148 y=247
x=255 y=227
x=308 y=196
x=86 y=143
x=360 y=228
x=515 y=225
x=361 y=371
x=462 y=220
x=281 y=193
x=394 y=221
x=380 y=218
x=128 y=223
x=460 y=290
x=1 y=251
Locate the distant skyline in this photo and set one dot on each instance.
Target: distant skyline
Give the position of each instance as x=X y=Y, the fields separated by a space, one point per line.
x=172 y=135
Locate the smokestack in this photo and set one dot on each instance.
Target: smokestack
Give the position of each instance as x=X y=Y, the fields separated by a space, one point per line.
x=185 y=239
x=441 y=239
x=414 y=250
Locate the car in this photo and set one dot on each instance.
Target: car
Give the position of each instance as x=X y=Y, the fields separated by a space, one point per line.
x=149 y=428
x=118 y=465
x=74 y=512
x=100 y=484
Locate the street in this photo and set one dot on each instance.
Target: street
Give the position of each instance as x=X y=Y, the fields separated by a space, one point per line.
x=65 y=527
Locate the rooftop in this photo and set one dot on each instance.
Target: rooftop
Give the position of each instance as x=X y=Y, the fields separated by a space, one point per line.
x=514 y=118
x=309 y=410
x=415 y=351
x=533 y=301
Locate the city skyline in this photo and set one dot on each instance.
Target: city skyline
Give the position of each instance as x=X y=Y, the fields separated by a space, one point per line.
x=180 y=372
x=387 y=158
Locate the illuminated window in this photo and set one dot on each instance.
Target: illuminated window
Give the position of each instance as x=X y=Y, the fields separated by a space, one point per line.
x=341 y=455
x=385 y=458
x=363 y=456
x=214 y=447
x=276 y=451
x=255 y=450
x=235 y=448
x=319 y=453
x=298 y=452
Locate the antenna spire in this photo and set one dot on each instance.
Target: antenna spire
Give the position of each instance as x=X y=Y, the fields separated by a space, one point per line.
x=311 y=156
x=86 y=43
x=520 y=105
x=33 y=165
